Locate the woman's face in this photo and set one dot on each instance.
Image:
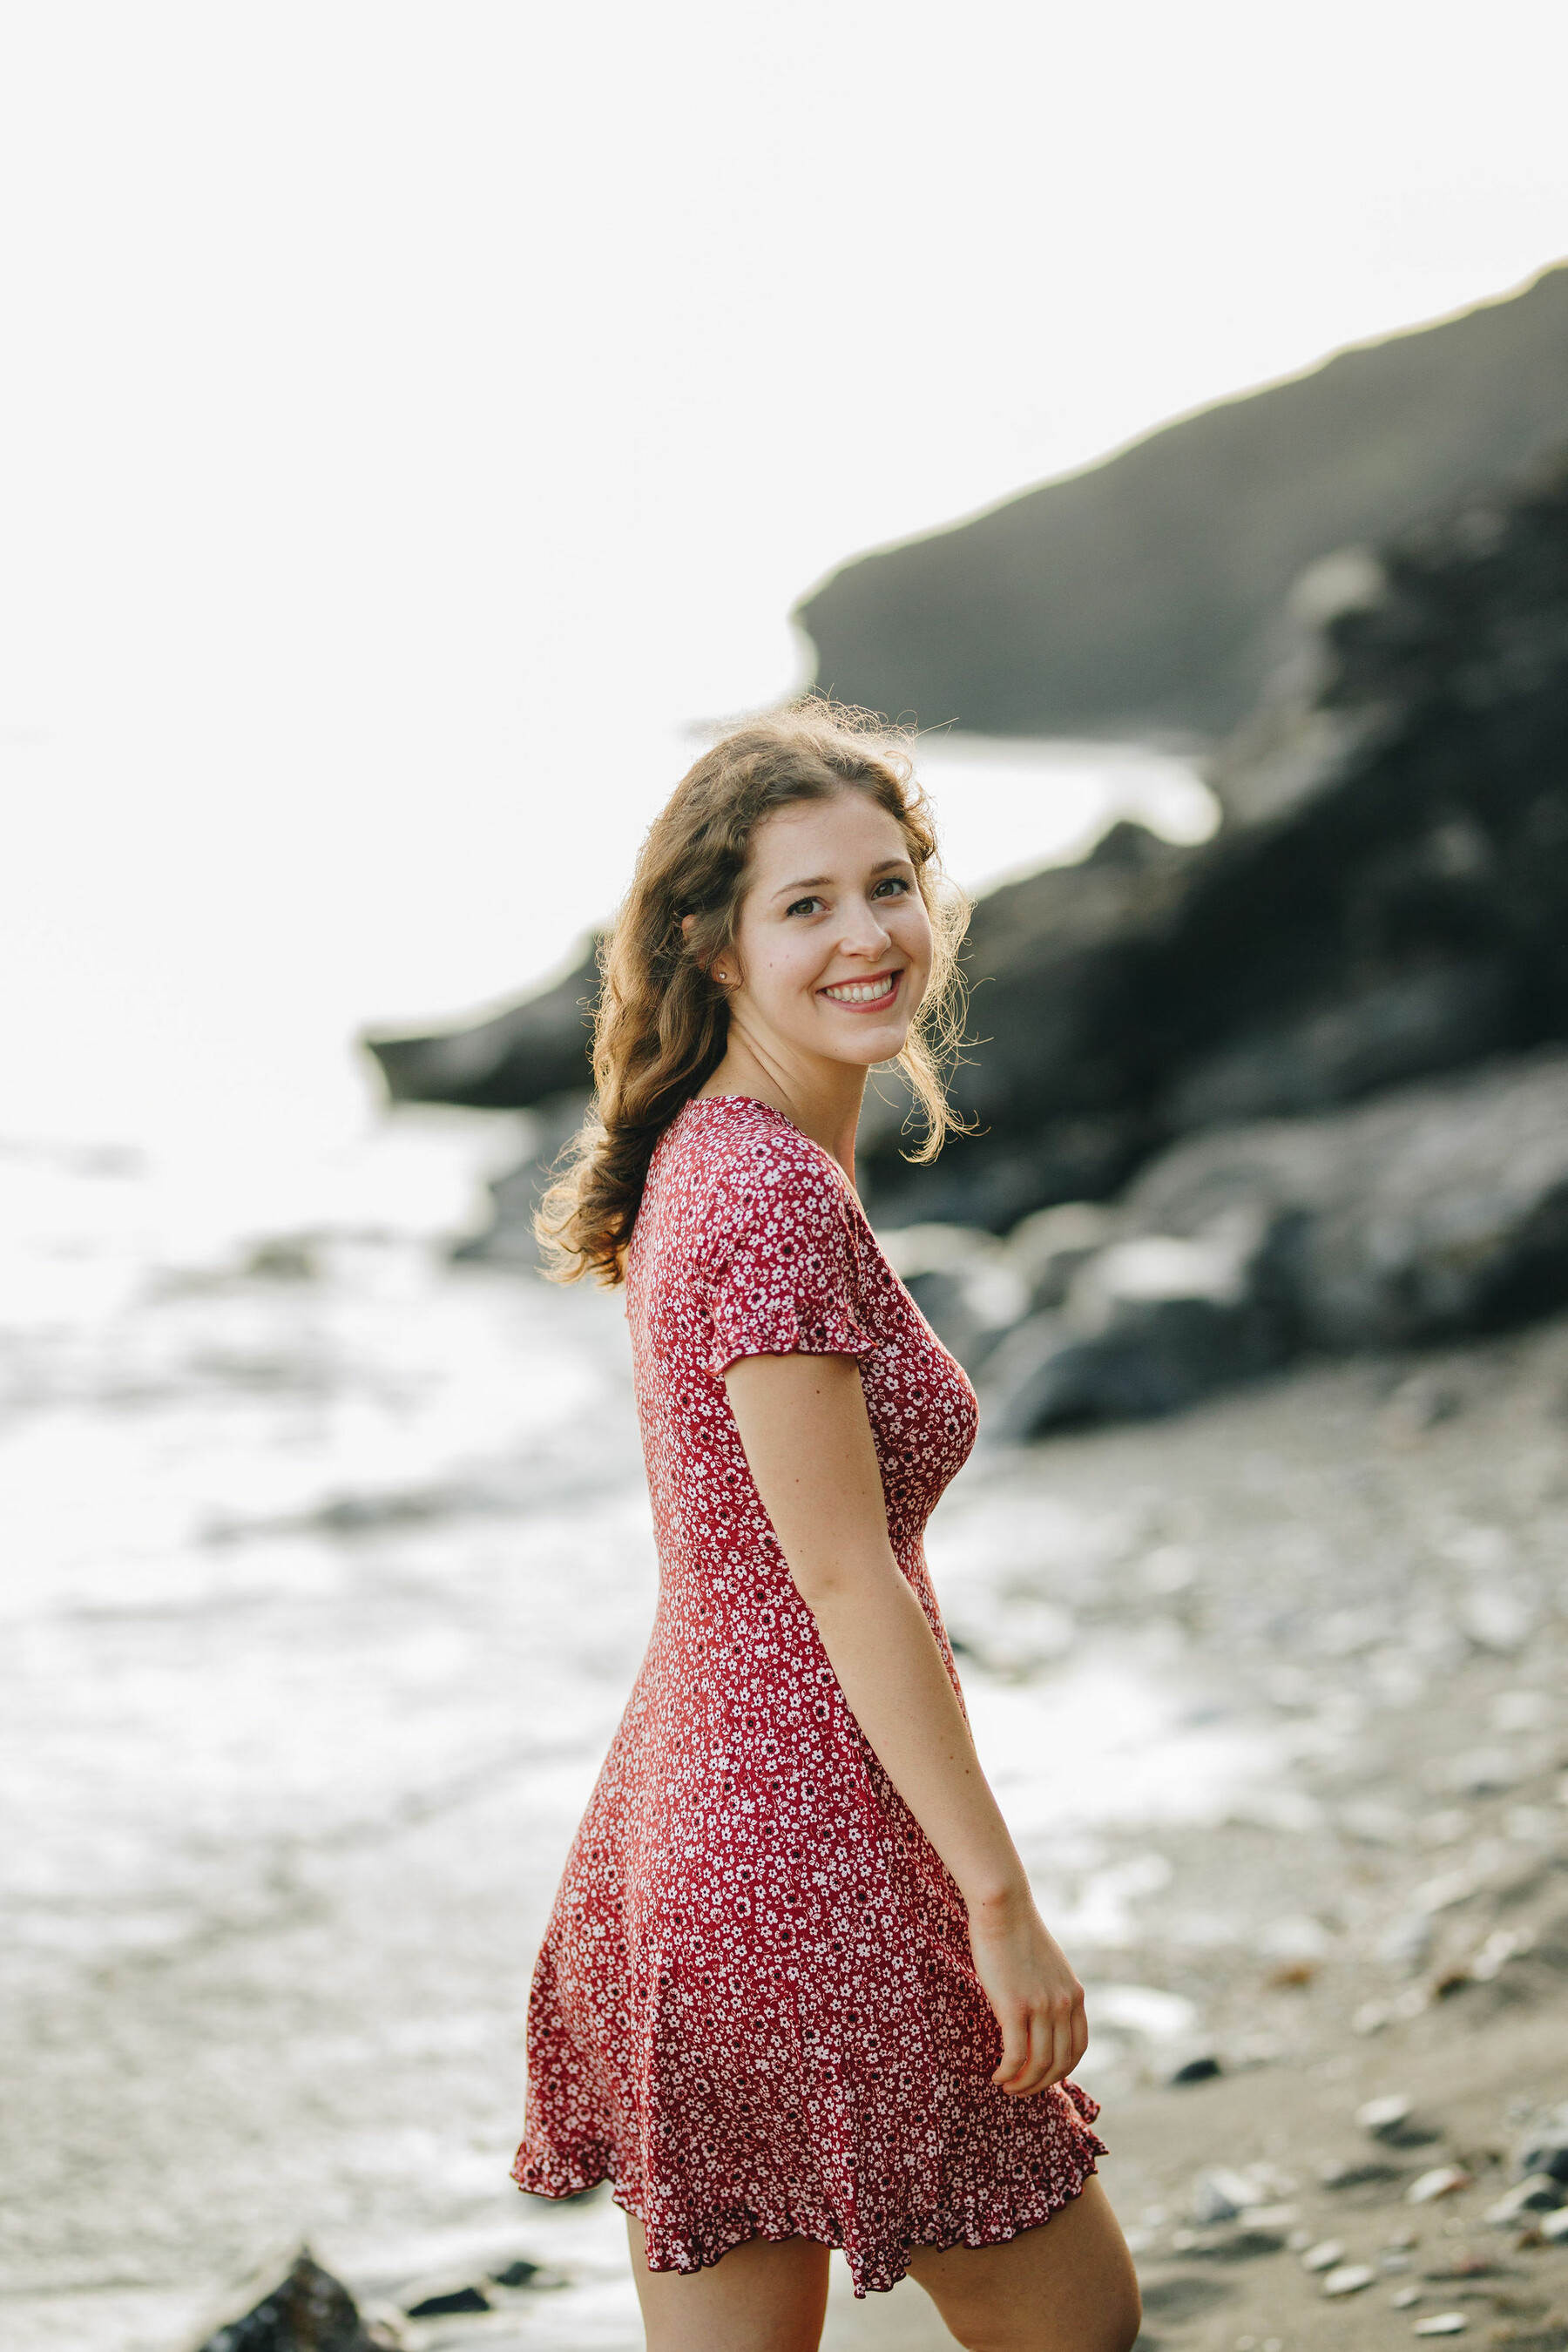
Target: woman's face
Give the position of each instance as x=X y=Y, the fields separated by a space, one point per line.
x=834 y=944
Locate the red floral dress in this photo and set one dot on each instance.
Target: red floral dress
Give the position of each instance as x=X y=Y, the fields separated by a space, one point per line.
x=754 y=2010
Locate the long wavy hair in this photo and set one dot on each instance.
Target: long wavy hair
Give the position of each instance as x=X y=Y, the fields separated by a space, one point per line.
x=662 y=1020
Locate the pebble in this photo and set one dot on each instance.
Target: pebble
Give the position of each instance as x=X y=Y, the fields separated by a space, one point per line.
x=1380 y=2117
x=1443 y=2180
x=521 y=2272
x=1197 y=2070
x=1442 y=1893
x=1554 y=2227
x=1405 y=2296
x=1323 y=2256
x=1407 y=1941
x=1219 y=2195
x=455 y=2300
x=1349 y=2279
x=1442 y=2323
x=1545 y=2149
x=1536 y=2193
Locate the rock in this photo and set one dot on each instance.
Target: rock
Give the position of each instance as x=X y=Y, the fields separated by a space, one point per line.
x=1045 y=1250
x=1405 y=2297
x=1482 y=1772
x=308 y=2311
x=1385 y=900
x=1497 y=1620
x=1195 y=2070
x=1147 y=1324
x=1219 y=2194
x=1325 y=2256
x=1554 y=2227
x=521 y=2272
x=1436 y=1210
x=1349 y=2278
x=449 y=2302
x=1407 y=1942
x=1139 y=593
x=1381 y=2118
x=1356 y=2175
x=1544 y=2148
x=508 y=1061
x=1442 y=2180
x=1536 y=2193
x=1442 y=2323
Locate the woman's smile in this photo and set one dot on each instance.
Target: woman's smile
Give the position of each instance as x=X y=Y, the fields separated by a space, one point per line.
x=873 y=994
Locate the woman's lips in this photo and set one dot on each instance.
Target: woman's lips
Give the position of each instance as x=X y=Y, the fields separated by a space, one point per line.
x=869 y=995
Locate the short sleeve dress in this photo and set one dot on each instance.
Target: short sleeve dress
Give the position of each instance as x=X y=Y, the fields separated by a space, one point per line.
x=754 y=2010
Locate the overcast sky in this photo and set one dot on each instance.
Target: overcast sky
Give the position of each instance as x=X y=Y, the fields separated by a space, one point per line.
x=414 y=419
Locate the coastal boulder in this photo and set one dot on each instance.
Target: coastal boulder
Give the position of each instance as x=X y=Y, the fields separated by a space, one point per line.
x=1435 y=1211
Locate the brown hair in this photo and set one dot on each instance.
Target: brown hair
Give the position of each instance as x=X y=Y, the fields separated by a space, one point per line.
x=663 y=1022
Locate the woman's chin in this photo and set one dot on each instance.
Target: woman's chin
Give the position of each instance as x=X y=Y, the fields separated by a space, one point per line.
x=882 y=1041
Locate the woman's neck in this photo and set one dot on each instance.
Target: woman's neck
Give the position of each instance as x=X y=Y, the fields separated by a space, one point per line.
x=823 y=1099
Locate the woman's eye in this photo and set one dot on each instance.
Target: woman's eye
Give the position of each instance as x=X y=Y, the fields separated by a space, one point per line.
x=897 y=882
x=803 y=906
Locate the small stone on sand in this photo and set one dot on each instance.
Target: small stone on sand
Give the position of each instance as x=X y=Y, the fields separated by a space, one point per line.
x=1443 y=2180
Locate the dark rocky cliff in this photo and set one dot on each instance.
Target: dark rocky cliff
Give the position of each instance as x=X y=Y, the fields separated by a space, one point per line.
x=1143 y=595
x=1387 y=898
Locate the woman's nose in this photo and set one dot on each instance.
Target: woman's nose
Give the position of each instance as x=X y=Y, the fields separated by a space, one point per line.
x=865 y=935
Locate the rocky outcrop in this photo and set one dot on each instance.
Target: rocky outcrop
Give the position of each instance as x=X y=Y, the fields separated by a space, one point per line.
x=538 y=1048
x=1144 y=595
x=1436 y=1210
x=1386 y=898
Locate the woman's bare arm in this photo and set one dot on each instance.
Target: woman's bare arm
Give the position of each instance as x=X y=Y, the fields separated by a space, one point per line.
x=803 y=1425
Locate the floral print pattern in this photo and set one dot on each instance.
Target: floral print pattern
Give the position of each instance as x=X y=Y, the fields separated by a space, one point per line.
x=754 y=2010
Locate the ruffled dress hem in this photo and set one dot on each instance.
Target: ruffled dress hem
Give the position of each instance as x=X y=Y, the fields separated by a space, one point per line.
x=875 y=2266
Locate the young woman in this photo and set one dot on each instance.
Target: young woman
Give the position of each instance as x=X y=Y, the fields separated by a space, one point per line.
x=796 y=1993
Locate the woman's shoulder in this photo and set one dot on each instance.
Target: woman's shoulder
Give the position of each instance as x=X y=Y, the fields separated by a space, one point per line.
x=738 y=1158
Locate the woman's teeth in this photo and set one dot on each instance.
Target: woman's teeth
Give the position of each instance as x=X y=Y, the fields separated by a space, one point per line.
x=863 y=992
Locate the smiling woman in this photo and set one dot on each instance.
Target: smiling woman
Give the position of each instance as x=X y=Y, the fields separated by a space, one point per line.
x=795 y=1993
x=729 y=851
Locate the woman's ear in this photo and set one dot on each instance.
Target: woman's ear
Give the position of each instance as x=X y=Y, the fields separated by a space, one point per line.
x=721 y=973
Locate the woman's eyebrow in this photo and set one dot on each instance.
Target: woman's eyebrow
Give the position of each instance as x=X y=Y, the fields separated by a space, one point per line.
x=820 y=881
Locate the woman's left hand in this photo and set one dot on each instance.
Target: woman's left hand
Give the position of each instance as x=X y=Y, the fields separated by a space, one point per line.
x=1037 y=1999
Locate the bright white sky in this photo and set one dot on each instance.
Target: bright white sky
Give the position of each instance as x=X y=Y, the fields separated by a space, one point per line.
x=413 y=418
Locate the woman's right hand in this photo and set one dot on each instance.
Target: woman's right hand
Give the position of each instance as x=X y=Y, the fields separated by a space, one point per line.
x=1037 y=1999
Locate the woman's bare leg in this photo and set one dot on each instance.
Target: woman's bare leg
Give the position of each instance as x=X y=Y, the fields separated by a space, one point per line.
x=761 y=2297
x=1068 y=2286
